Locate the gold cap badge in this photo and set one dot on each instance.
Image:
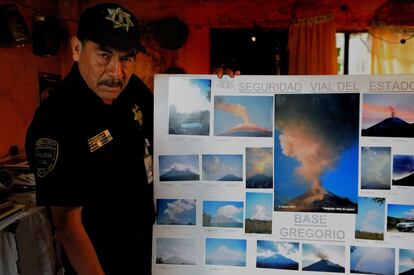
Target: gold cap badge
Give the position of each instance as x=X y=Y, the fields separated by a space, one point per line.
x=119 y=18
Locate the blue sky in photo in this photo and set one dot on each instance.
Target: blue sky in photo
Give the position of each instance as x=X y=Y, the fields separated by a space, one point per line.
x=225 y=251
x=259 y=110
x=259 y=206
x=228 y=209
x=406 y=260
x=403 y=166
x=179 y=162
x=400 y=211
x=173 y=247
x=379 y=260
x=316 y=141
x=341 y=180
x=190 y=95
x=371 y=216
x=288 y=250
x=176 y=211
x=217 y=166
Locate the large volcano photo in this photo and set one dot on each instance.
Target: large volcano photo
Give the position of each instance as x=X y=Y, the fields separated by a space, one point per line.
x=316 y=152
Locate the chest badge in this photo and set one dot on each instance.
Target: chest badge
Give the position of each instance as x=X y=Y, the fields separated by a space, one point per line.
x=99 y=140
x=137 y=114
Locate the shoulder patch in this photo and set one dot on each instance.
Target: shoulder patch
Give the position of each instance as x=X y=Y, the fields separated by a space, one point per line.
x=46 y=154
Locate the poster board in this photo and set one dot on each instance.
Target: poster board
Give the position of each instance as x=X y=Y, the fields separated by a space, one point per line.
x=284 y=174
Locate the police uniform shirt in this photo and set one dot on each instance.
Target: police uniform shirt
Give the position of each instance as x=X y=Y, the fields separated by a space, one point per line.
x=89 y=154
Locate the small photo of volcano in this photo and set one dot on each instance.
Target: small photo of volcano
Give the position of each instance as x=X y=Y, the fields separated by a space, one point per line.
x=370 y=220
x=372 y=260
x=403 y=170
x=259 y=168
x=222 y=167
x=243 y=116
x=316 y=153
x=223 y=214
x=388 y=115
x=323 y=258
x=277 y=255
x=189 y=102
x=376 y=168
x=406 y=266
x=229 y=252
x=258 y=213
x=176 y=211
x=179 y=168
x=175 y=251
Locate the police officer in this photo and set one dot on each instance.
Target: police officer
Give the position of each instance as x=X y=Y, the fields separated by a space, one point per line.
x=89 y=145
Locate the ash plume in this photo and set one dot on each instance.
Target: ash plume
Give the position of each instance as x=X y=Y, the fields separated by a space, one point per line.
x=235 y=109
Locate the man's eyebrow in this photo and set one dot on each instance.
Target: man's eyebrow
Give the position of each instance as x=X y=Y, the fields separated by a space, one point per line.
x=104 y=48
x=132 y=53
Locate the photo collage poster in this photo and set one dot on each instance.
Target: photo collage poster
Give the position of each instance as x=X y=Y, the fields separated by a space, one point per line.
x=283 y=175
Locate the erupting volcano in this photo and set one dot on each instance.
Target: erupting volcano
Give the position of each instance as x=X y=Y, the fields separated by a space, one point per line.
x=317 y=134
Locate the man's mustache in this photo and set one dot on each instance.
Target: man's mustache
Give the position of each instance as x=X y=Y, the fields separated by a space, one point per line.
x=111 y=82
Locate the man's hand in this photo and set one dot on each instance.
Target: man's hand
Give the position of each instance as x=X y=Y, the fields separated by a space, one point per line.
x=220 y=71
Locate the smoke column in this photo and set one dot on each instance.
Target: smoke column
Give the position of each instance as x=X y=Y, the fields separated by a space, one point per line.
x=392 y=110
x=321 y=254
x=235 y=109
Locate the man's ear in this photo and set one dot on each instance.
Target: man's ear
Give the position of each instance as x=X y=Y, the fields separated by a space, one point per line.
x=76 y=48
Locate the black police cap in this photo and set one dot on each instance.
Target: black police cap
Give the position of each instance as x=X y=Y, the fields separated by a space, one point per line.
x=111 y=25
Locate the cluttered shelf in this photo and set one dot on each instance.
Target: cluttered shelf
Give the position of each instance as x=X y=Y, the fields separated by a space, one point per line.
x=17 y=186
x=27 y=244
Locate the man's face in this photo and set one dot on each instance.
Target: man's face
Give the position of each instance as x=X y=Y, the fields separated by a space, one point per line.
x=105 y=70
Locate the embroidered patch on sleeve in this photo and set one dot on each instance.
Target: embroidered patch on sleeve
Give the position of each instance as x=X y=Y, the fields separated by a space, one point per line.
x=46 y=153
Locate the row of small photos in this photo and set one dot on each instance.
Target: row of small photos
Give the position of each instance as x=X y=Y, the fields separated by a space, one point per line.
x=375 y=168
x=286 y=256
x=257 y=215
x=220 y=167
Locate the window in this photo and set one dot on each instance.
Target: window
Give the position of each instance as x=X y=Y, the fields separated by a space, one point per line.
x=354 y=53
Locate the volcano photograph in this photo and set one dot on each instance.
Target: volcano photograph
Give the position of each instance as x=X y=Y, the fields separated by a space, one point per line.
x=323 y=258
x=388 y=115
x=370 y=220
x=189 y=102
x=229 y=252
x=259 y=167
x=372 y=260
x=223 y=214
x=406 y=264
x=316 y=150
x=277 y=255
x=376 y=168
x=179 y=168
x=403 y=170
x=222 y=167
x=175 y=251
x=258 y=213
x=176 y=211
x=243 y=116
